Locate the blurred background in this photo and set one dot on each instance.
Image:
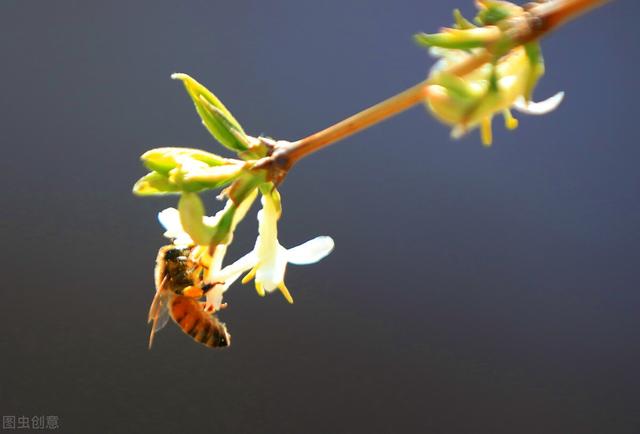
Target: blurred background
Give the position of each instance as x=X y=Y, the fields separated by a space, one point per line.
x=471 y=290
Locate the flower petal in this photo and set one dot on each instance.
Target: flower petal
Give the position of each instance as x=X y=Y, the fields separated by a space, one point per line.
x=214 y=296
x=230 y=279
x=310 y=252
x=225 y=277
x=243 y=264
x=270 y=272
x=170 y=219
x=267 y=247
x=538 y=108
x=458 y=131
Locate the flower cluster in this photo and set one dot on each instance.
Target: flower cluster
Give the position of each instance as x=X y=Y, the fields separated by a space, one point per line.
x=505 y=80
x=187 y=172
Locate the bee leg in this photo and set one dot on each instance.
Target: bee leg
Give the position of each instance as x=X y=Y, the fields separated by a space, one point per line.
x=192 y=292
x=210 y=308
x=206 y=287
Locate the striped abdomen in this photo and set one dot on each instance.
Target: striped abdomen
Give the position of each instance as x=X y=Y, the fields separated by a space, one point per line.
x=194 y=321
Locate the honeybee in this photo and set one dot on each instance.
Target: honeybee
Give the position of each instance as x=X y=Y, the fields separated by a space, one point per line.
x=179 y=286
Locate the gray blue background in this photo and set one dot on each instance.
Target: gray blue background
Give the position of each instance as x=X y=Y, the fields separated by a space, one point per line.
x=471 y=290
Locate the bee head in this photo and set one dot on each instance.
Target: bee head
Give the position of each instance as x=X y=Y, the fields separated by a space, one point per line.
x=176 y=254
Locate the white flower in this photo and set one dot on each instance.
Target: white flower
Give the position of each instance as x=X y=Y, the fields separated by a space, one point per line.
x=170 y=219
x=268 y=260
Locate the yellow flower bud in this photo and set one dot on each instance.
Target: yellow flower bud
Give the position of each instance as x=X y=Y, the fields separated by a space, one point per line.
x=472 y=100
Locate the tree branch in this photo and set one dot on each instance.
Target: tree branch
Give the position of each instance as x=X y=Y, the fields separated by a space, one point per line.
x=540 y=19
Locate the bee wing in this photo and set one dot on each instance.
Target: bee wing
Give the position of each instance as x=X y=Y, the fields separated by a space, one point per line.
x=159 y=312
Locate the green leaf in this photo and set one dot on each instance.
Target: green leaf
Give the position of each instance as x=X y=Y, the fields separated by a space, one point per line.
x=206 y=178
x=493 y=80
x=243 y=208
x=459 y=39
x=493 y=13
x=457 y=86
x=536 y=64
x=215 y=116
x=443 y=40
x=163 y=160
x=185 y=180
x=154 y=184
x=224 y=226
x=461 y=22
x=192 y=214
x=245 y=185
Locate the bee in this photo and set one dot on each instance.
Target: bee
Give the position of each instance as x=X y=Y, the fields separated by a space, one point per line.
x=179 y=286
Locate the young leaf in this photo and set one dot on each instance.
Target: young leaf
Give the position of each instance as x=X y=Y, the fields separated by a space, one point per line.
x=215 y=116
x=460 y=39
x=206 y=178
x=461 y=22
x=164 y=160
x=154 y=184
